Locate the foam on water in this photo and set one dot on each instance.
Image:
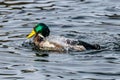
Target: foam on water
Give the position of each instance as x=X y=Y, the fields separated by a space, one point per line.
x=58 y=39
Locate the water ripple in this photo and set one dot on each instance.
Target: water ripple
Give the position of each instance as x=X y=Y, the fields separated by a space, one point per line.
x=93 y=21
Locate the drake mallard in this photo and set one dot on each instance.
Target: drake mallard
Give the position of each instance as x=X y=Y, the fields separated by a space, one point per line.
x=41 y=31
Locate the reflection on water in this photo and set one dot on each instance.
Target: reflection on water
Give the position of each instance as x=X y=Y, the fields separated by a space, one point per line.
x=93 y=21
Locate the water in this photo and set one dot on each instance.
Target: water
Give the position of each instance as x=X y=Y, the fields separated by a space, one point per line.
x=93 y=21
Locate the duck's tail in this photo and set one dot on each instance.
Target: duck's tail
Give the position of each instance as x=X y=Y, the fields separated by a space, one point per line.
x=85 y=44
x=89 y=46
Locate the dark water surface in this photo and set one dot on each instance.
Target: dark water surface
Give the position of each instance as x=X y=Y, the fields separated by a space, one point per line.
x=93 y=21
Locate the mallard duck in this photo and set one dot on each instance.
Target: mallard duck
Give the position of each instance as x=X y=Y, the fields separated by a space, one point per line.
x=41 y=31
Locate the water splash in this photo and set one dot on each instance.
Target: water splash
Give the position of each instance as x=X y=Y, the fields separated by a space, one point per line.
x=28 y=43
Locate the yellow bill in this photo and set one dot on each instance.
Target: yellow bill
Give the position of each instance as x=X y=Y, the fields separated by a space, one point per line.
x=31 y=34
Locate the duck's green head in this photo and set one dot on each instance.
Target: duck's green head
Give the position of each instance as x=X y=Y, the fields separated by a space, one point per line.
x=40 y=28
